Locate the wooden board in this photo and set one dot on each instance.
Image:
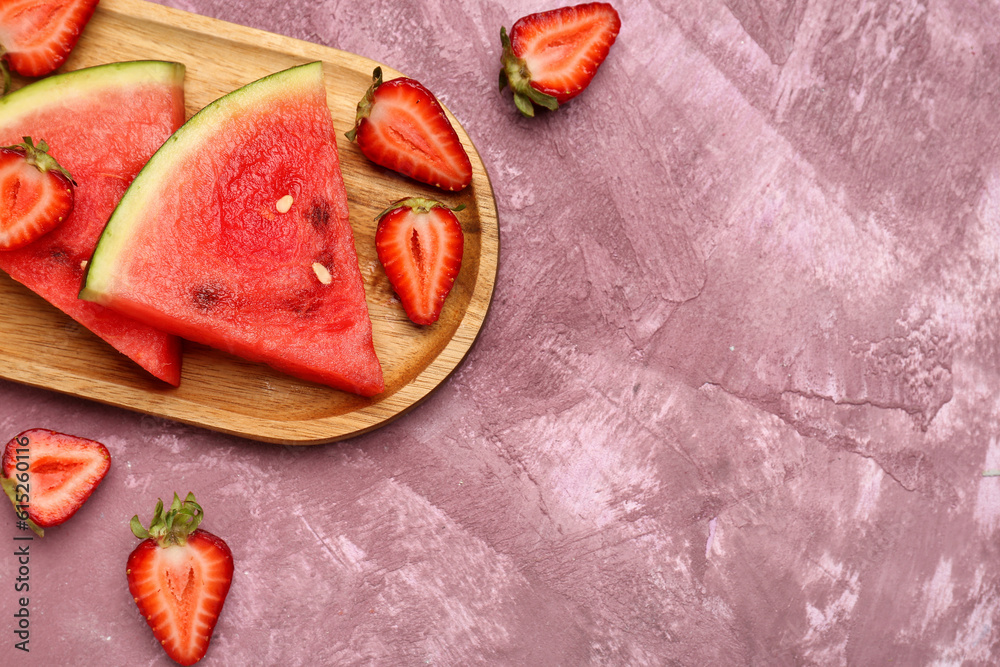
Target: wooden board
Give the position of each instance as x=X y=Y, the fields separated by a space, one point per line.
x=41 y=346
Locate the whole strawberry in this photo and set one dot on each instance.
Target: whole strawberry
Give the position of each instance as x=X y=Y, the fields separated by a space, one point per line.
x=179 y=577
x=36 y=36
x=36 y=194
x=550 y=57
x=401 y=126
x=419 y=243
x=49 y=475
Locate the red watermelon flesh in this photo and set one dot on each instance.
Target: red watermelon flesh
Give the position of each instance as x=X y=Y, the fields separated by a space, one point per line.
x=102 y=124
x=236 y=235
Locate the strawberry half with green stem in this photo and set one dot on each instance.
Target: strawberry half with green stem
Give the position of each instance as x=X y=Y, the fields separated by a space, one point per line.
x=36 y=194
x=49 y=475
x=401 y=126
x=179 y=577
x=419 y=242
x=550 y=57
x=36 y=36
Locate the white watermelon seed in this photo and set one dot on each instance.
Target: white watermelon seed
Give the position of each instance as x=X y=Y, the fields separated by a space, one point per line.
x=284 y=204
x=322 y=273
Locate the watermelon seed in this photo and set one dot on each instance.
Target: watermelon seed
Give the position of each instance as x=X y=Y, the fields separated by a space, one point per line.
x=59 y=255
x=319 y=214
x=206 y=297
x=284 y=204
x=322 y=273
x=83 y=264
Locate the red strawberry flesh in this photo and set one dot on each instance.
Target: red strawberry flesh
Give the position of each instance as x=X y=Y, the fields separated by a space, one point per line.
x=420 y=243
x=63 y=471
x=37 y=35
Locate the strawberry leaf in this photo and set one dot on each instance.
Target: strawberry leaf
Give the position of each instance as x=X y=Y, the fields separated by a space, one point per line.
x=172 y=527
x=541 y=99
x=137 y=528
x=524 y=105
x=418 y=205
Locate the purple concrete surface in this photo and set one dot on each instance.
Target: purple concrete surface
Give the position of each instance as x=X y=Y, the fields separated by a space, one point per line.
x=733 y=403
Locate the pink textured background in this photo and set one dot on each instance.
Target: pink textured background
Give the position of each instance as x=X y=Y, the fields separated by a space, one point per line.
x=732 y=404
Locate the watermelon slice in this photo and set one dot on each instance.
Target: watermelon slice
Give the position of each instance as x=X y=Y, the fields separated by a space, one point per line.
x=236 y=235
x=102 y=124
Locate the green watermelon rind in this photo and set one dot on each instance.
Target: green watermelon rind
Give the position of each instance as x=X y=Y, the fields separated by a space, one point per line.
x=84 y=82
x=101 y=270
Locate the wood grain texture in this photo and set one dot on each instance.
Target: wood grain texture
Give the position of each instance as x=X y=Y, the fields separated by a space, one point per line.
x=42 y=347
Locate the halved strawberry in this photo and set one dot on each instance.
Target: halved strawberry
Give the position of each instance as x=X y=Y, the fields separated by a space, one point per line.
x=552 y=56
x=36 y=36
x=420 y=242
x=179 y=577
x=49 y=475
x=36 y=194
x=401 y=126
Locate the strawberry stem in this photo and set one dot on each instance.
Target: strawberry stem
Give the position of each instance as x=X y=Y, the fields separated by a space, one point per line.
x=38 y=157
x=365 y=105
x=172 y=527
x=417 y=205
x=515 y=74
